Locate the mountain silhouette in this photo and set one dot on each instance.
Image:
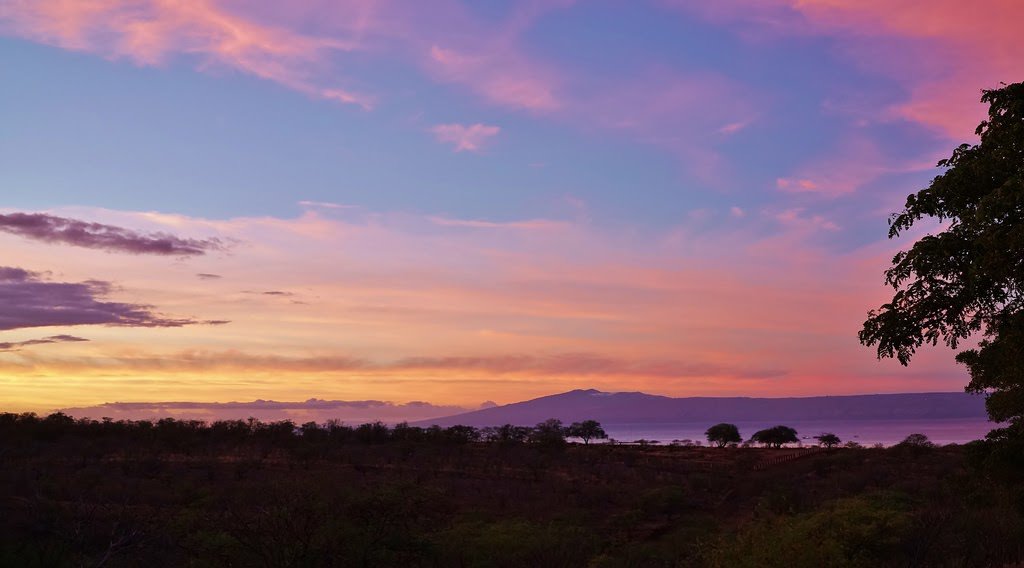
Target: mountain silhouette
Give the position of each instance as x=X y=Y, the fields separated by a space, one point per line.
x=641 y=408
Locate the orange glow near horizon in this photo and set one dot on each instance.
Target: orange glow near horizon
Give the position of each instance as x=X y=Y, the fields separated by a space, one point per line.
x=414 y=316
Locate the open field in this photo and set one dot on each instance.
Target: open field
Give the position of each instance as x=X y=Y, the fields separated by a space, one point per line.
x=70 y=498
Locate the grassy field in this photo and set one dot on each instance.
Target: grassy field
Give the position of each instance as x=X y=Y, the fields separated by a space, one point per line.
x=76 y=497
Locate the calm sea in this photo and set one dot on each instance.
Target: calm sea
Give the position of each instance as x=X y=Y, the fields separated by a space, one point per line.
x=865 y=432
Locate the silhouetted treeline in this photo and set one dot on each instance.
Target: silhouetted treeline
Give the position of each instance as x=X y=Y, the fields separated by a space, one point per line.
x=184 y=435
x=248 y=493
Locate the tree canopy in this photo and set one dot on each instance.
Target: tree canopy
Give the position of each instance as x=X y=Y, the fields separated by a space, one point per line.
x=775 y=436
x=916 y=441
x=549 y=433
x=587 y=430
x=723 y=434
x=968 y=279
x=828 y=439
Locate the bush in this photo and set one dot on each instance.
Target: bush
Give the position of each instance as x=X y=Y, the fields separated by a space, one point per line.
x=864 y=531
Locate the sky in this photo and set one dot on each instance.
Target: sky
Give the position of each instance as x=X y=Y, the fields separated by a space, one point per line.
x=451 y=203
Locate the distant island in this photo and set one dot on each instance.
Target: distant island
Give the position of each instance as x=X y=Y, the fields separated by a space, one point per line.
x=642 y=408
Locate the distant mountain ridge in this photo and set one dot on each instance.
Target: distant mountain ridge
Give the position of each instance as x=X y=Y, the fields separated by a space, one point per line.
x=642 y=408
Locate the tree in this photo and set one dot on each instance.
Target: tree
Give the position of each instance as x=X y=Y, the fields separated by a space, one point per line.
x=969 y=278
x=460 y=434
x=549 y=433
x=775 y=436
x=916 y=441
x=507 y=434
x=723 y=434
x=828 y=439
x=587 y=430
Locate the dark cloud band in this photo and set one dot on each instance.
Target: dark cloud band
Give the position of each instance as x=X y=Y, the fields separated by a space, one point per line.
x=61 y=230
x=17 y=345
x=28 y=300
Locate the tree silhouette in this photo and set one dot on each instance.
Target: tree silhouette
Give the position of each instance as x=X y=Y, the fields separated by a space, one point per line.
x=916 y=441
x=549 y=433
x=723 y=434
x=506 y=434
x=828 y=439
x=587 y=430
x=775 y=436
x=968 y=278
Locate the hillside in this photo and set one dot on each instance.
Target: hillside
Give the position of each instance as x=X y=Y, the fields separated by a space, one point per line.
x=640 y=408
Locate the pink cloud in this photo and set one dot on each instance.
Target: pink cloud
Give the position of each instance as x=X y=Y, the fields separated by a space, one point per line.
x=854 y=162
x=977 y=48
x=304 y=45
x=324 y=205
x=531 y=224
x=501 y=77
x=149 y=33
x=796 y=217
x=943 y=51
x=681 y=112
x=732 y=128
x=788 y=184
x=465 y=138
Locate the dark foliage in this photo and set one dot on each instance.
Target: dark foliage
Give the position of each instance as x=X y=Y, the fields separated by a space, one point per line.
x=967 y=279
x=723 y=434
x=587 y=430
x=248 y=493
x=828 y=439
x=775 y=436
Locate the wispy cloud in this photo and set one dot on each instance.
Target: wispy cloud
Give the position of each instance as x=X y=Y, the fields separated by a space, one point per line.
x=16 y=345
x=324 y=205
x=500 y=76
x=317 y=410
x=978 y=47
x=74 y=232
x=465 y=138
x=791 y=184
x=552 y=364
x=943 y=51
x=536 y=224
x=732 y=128
x=150 y=32
x=800 y=218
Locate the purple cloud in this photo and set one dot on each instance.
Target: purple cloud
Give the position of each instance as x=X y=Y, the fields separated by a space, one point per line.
x=208 y=276
x=61 y=230
x=17 y=345
x=27 y=300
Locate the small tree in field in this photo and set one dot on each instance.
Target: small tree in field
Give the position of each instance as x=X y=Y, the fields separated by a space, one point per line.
x=723 y=434
x=587 y=430
x=775 y=436
x=828 y=439
x=916 y=441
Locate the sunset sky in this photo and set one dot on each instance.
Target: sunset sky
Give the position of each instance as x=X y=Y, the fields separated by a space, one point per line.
x=459 y=202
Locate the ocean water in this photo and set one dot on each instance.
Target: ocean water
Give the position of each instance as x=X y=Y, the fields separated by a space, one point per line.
x=865 y=432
